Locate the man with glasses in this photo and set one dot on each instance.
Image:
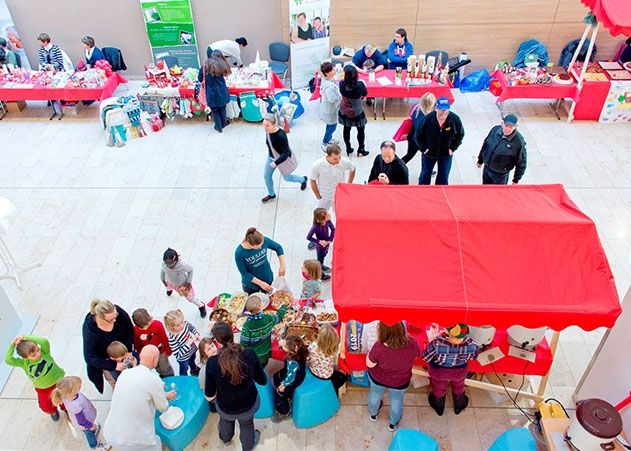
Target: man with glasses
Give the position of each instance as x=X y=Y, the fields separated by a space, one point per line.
x=388 y=168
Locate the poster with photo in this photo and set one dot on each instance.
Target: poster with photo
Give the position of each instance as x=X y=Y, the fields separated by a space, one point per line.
x=9 y=32
x=309 y=31
x=171 y=30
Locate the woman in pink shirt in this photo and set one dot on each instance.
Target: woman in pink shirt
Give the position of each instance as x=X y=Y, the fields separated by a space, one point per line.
x=389 y=364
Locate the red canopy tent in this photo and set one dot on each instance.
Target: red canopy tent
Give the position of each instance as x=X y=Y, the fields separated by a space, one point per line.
x=613 y=14
x=474 y=254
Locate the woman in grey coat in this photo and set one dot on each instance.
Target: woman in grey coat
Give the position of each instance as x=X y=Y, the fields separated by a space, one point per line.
x=330 y=103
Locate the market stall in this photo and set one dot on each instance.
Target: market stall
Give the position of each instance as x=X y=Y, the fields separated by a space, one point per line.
x=499 y=256
x=38 y=85
x=387 y=85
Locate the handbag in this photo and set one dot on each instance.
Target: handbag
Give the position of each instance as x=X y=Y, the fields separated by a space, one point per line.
x=289 y=165
x=404 y=129
x=200 y=90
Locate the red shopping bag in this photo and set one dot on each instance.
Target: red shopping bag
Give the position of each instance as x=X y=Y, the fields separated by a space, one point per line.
x=402 y=133
x=495 y=88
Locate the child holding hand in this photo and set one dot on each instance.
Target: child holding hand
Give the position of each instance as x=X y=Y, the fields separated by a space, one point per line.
x=321 y=235
x=183 y=340
x=35 y=359
x=177 y=275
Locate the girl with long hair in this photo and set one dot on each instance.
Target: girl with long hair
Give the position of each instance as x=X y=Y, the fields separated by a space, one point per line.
x=213 y=74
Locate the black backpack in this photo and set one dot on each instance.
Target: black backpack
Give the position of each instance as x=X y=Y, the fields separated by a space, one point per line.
x=570 y=48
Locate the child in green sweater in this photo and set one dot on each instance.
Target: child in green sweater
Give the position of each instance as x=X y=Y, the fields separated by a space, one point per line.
x=39 y=366
x=257 y=329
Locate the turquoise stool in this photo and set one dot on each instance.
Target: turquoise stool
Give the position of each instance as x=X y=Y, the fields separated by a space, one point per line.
x=195 y=407
x=517 y=439
x=410 y=439
x=314 y=402
x=266 y=400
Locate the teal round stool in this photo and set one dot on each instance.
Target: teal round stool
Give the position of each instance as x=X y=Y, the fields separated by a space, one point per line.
x=516 y=439
x=411 y=439
x=314 y=402
x=195 y=407
x=266 y=400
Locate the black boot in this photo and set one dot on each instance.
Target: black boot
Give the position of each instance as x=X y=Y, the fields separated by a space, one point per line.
x=438 y=404
x=460 y=403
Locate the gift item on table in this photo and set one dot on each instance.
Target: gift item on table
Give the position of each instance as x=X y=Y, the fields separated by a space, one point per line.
x=105 y=66
x=90 y=78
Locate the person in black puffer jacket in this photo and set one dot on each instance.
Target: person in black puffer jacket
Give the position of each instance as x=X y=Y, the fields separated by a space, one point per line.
x=438 y=138
x=504 y=149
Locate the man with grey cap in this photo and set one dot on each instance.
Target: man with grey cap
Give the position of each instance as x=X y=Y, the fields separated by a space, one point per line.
x=504 y=149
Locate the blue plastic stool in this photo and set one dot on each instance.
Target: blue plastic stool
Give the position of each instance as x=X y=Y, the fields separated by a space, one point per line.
x=195 y=407
x=517 y=439
x=314 y=402
x=266 y=400
x=410 y=439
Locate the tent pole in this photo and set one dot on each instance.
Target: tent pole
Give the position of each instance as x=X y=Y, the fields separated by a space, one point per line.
x=580 y=46
x=554 y=342
x=581 y=77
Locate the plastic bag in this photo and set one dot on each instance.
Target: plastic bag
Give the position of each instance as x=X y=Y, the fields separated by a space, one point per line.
x=476 y=81
x=280 y=284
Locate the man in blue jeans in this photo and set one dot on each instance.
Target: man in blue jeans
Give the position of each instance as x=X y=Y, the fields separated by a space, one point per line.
x=439 y=137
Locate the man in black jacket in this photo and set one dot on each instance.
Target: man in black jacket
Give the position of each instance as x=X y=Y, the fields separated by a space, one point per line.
x=438 y=137
x=504 y=149
x=388 y=168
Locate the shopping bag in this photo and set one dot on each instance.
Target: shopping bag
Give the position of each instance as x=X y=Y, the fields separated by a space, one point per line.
x=404 y=129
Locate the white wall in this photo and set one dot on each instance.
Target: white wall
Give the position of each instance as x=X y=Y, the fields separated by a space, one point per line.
x=609 y=377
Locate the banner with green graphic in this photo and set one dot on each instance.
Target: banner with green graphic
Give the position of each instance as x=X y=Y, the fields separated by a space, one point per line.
x=171 y=30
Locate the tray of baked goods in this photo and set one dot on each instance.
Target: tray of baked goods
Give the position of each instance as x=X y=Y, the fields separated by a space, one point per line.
x=324 y=312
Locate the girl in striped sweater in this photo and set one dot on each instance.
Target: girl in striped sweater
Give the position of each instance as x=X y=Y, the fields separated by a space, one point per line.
x=183 y=340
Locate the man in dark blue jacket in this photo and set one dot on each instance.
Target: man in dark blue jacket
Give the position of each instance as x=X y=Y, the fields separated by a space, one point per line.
x=503 y=150
x=369 y=53
x=399 y=50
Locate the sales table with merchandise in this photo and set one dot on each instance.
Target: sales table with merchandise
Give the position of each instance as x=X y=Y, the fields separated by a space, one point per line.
x=553 y=91
x=274 y=84
x=388 y=88
x=69 y=94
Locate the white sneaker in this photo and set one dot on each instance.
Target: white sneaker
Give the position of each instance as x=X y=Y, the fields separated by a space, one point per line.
x=323 y=147
x=102 y=446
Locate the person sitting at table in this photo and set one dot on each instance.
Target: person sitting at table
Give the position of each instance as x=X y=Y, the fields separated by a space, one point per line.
x=399 y=50
x=92 y=52
x=9 y=55
x=388 y=168
x=447 y=356
x=230 y=49
x=51 y=57
x=303 y=31
x=369 y=53
x=318 y=29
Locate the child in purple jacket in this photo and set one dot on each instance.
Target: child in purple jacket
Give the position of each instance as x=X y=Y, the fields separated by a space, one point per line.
x=321 y=234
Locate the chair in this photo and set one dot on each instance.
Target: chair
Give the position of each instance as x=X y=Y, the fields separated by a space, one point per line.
x=195 y=407
x=314 y=402
x=170 y=61
x=444 y=56
x=250 y=107
x=266 y=400
x=516 y=439
x=279 y=56
x=115 y=57
x=407 y=439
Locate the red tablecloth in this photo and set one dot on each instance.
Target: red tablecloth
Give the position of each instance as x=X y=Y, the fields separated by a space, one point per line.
x=593 y=96
x=553 y=91
x=67 y=94
x=375 y=89
x=276 y=83
x=507 y=364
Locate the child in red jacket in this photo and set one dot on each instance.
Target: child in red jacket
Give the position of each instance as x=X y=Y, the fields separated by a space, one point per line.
x=149 y=331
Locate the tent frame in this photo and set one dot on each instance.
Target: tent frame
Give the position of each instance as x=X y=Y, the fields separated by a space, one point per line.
x=593 y=28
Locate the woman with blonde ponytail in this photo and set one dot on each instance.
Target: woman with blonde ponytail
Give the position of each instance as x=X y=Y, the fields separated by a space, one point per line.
x=230 y=378
x=105 y=323
x=80 y=410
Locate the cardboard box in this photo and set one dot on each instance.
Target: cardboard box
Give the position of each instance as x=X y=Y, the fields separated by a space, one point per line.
x=16 y=107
